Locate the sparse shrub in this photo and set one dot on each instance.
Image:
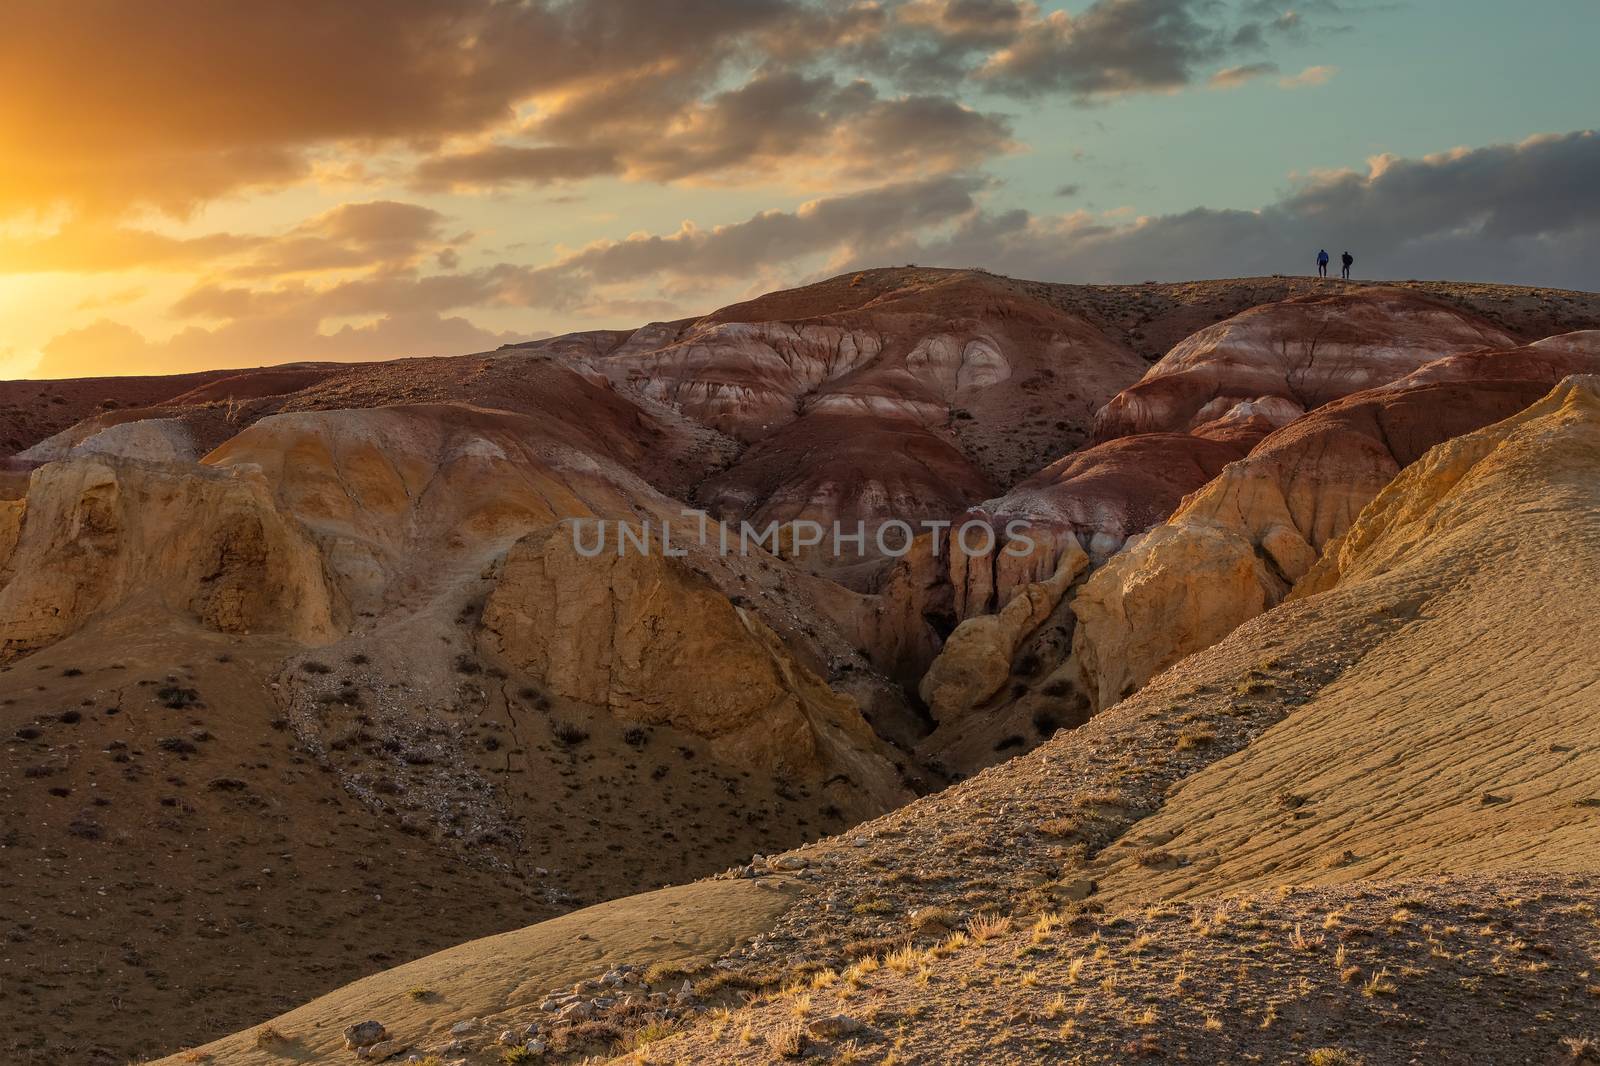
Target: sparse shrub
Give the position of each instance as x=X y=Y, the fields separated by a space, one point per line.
x=177 y=697
x=176 y=746
x=1378 y=985
x=570 y=733
x=420 y=994
x=649 y=1035
x=267 y=1037
x=313 y=666
x=358 y=659
x=466 y=664
x=1045 y=723
x=1007 y=743
x=1102 y=797
x=1332 y=1056
x=1581 y=1049
x=788 y=1042
x=664 y=973
x=635 y=736
x=86 y=828
x=987 y=927
x=72 y=671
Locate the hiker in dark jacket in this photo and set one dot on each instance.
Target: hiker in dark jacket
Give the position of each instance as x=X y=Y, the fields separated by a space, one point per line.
x=1347 y=259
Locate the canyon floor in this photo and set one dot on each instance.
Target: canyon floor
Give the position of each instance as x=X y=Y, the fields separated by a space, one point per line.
x=1279 y=746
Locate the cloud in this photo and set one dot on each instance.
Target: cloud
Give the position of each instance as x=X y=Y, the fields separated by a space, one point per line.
x=113 y=105
x=86 y=248
x=1528 y=212
x=807 y=128
x=107 y=347
x=841 y=225
x=1113 y=46
x=1309 y=77
x=504 y=164
x=1233 y=77
x=354 y=236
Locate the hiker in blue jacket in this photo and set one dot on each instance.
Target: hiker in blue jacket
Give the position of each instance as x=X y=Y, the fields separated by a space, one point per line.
x=1322 y=263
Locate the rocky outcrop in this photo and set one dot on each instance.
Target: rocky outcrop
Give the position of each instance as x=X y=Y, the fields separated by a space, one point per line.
x=156 y=440
x=96 y=533
x=649 y=639
x=1307 y=351
x=403 y=498
x=1237 y=546
x=976 y=659
x=1556 y=440
x=1094 y=500
x=1179 y=589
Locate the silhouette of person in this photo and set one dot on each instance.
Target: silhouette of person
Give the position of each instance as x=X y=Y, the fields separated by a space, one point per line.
x=1347 y=259
x=1322 y=263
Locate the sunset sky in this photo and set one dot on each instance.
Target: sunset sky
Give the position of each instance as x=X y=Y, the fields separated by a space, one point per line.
x=197 y=183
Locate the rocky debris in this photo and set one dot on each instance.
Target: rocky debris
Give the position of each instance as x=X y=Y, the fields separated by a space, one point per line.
x=364 y=1034
x=382 y=1050
x=837 y=1027
x=621 y=999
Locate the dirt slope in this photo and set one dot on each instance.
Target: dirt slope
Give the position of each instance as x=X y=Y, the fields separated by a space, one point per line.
x=1459 y=742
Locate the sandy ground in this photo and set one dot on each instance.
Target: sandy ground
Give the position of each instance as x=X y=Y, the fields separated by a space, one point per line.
x=169 y=874
x=489 y=980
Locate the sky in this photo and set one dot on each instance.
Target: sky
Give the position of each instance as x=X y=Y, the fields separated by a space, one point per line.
x=197 y=184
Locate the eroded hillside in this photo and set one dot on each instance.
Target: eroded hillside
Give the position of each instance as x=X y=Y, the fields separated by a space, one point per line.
x=1407 y=746
x=306 y=664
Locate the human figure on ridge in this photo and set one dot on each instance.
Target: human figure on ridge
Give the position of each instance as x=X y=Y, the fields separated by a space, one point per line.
x=1347 y=259
x=1322 y=263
